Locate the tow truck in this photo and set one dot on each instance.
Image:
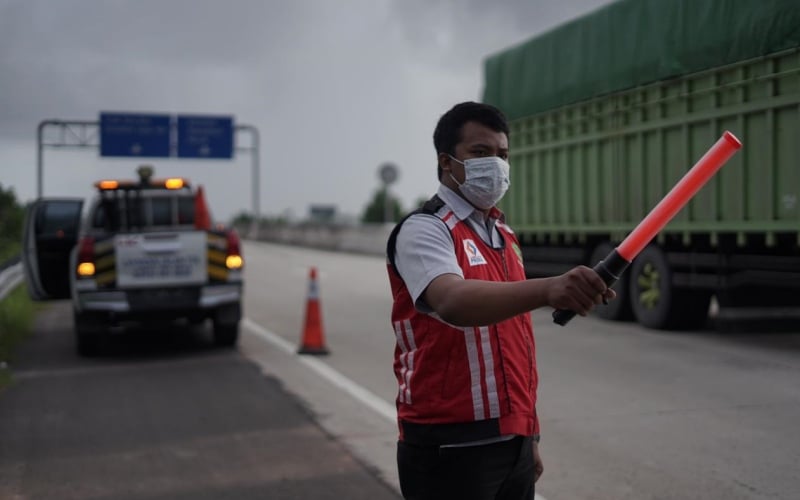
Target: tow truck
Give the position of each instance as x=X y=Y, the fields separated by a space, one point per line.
x=140 y=250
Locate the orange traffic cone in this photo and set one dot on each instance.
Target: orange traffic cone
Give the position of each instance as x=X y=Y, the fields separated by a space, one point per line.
x=313 y=335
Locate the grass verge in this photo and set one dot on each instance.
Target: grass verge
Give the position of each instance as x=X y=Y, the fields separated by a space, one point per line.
x=8 y=249
x=16 y=319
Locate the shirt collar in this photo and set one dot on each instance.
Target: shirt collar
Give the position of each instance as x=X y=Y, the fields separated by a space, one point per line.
x=464 y=209
x=460 y=207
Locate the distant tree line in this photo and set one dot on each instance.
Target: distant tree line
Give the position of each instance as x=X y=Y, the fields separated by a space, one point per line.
x=11 y=216
x=244 y=219
x=374 y=212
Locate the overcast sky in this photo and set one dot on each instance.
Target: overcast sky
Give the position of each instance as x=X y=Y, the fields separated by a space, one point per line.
x=335 y=87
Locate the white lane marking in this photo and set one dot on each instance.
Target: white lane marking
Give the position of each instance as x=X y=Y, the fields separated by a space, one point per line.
x=358 y=392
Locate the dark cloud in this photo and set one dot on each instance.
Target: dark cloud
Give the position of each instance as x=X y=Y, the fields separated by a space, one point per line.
x=336 y=88
x=451 y=33
x=64 y=57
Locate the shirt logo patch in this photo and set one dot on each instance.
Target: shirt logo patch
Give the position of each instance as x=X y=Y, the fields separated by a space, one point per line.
x=474 y=255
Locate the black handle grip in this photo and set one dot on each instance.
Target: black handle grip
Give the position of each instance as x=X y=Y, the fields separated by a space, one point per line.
x=563 y=316
x=609 y=269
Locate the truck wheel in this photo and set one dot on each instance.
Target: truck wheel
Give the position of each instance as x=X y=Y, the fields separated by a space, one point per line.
x=226 y=335
x=656 y=302
x=196 y=319
x=618 y=309
x=87 y=334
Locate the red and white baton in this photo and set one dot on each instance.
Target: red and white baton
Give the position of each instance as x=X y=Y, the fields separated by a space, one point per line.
x=615 y=263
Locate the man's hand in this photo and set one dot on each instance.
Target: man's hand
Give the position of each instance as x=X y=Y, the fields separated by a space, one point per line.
x=578 y=290
x=538 y=468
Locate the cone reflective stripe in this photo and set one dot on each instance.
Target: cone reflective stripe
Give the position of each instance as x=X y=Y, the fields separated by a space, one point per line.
x=618 y=260
x=313 y=341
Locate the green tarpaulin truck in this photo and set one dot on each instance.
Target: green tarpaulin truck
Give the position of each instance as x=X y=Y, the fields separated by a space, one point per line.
x=609 y=111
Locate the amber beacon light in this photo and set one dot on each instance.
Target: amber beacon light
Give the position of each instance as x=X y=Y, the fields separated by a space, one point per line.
x=615 y=263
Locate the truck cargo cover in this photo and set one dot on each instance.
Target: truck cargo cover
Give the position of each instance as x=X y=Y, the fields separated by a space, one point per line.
x=635 y=42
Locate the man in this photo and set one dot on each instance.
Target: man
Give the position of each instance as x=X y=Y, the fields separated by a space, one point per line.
x=465 y=358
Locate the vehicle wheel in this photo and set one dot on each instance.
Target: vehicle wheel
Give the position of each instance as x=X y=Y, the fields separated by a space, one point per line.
x=618 y=309
x=226 y=335
x=196 y=320
x=87 y=334
x=656 y=302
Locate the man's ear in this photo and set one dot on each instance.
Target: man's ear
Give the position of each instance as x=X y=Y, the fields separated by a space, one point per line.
x=444 y=162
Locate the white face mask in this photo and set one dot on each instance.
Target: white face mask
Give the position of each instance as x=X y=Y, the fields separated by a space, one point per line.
x=486 y=180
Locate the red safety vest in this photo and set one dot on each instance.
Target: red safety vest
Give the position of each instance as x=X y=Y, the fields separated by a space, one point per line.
x=464 y=384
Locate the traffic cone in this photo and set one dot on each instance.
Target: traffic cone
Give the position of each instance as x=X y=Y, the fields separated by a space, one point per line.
x=202 y=217
x=313 y=334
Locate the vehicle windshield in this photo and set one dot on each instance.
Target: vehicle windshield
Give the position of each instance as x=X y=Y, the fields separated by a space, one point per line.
x=126 y=210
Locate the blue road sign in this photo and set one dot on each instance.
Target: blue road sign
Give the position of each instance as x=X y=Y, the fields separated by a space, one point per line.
x=134 y=134
x=205 y=136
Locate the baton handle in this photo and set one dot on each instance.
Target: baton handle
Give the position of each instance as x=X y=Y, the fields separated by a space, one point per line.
x=609 y=269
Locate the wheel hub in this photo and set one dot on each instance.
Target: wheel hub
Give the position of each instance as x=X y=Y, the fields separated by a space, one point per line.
x=648 y=281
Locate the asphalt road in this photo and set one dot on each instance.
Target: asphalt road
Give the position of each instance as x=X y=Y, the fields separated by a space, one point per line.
x=627 y=413
x=162 y=415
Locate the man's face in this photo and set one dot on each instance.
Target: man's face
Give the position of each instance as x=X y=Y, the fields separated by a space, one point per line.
x=476 y=141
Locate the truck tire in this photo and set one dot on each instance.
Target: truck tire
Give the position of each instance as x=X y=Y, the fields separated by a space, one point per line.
x=225 y=334
x=226 y=324
x=618 y=309
x=196 y=319
x=656 y=302
x=88 y=329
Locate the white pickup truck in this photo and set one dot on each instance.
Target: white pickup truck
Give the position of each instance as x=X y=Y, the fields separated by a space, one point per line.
x=139 y=251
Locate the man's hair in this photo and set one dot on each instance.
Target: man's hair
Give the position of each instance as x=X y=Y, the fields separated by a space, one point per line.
x=448 y=130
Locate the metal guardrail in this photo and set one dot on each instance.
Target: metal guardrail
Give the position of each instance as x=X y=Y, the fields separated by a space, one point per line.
x=10 y=278
x=367 y=239
x=10 y=262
